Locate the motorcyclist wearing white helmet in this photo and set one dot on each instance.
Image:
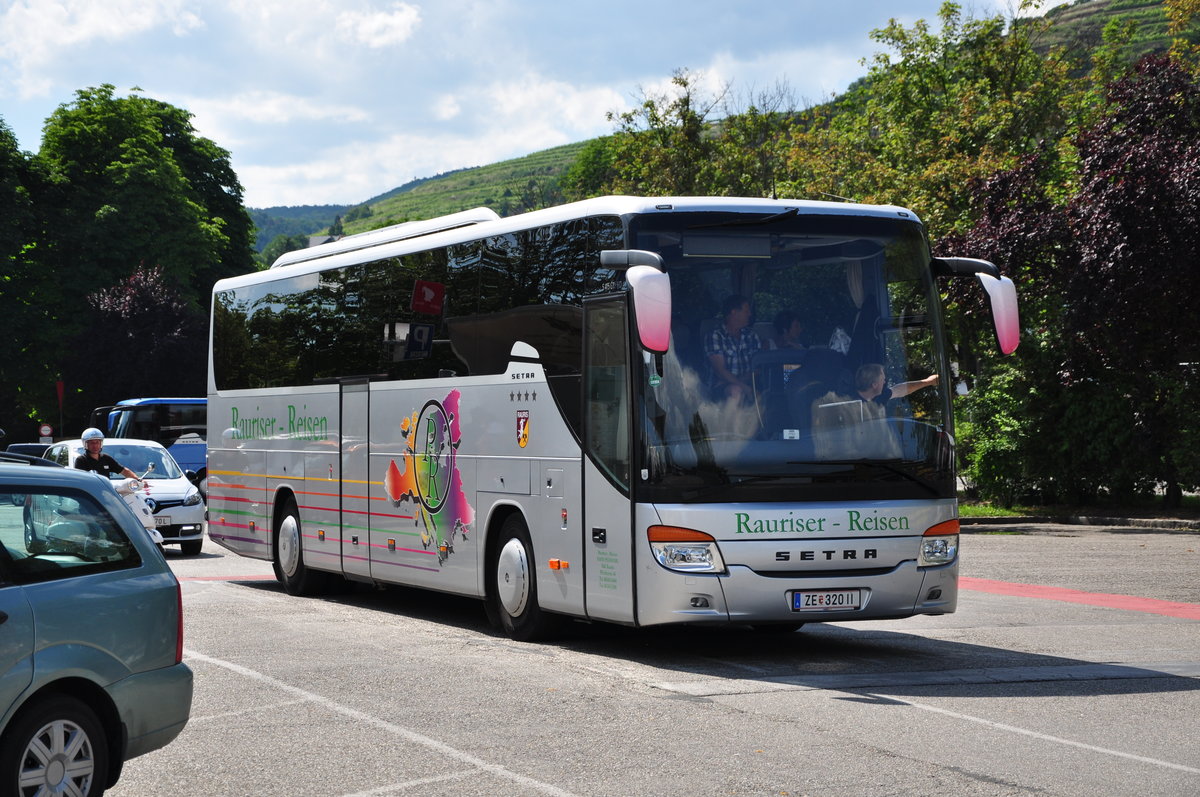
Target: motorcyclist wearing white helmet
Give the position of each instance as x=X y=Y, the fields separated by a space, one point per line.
x=92 y=459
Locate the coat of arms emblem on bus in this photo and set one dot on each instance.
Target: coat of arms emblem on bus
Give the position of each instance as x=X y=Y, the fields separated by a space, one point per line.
x=430 y=478
x=522 y=428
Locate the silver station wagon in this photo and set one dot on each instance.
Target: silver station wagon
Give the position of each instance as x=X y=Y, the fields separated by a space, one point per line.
x=91 y=634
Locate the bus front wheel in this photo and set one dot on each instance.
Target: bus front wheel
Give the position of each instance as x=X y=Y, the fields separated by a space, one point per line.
x=288 y=561
x=512 y=586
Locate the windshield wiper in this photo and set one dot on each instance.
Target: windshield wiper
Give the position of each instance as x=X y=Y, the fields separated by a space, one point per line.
x=852 y=463
x=784 y=214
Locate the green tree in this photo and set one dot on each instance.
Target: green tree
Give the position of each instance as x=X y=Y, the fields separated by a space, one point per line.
x=131 y=182
x=1101 y=400
x=948 y=107
x=751 y=148
x=29 y=294
x=279 y=245
x=665 y=145
x=1133 y=292
x=592 y=172
x=139 y=338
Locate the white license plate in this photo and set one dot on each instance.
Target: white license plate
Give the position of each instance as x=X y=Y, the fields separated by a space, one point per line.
x=162 y=520
x=826 y=600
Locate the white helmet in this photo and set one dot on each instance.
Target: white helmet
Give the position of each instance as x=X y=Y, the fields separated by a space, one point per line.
x=92 y=433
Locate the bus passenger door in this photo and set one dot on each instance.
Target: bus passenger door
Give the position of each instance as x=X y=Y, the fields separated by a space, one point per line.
x=355 y=487
x=608 y=537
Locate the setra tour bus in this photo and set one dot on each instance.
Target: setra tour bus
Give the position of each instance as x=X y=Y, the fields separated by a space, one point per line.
x=525 y=410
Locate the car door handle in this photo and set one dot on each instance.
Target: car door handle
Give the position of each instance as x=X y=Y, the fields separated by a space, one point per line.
x=3 y=617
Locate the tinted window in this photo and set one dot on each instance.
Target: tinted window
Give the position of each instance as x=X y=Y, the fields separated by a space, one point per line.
x=49 y=534
x=375 y=319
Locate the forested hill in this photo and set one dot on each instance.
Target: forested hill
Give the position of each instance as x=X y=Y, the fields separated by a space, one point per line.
x=532 y=181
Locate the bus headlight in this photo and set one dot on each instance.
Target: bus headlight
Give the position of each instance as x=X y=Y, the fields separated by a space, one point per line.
x=685 y=550
x=939 y=545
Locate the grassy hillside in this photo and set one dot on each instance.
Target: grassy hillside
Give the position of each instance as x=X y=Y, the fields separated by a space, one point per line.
x=1079 y=26
x=514 y=186
x=508 y=187
x=291 y=220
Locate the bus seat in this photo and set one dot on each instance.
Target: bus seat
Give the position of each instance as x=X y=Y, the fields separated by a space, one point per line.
x=822 y=371
x=772 y=372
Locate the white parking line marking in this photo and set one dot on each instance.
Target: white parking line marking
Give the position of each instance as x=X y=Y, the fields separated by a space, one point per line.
x=1044 y=737
x=225 y=714
x=410 y=784
x=390 y=727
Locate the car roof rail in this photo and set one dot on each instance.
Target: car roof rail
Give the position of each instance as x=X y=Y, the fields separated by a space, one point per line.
x=12 y=456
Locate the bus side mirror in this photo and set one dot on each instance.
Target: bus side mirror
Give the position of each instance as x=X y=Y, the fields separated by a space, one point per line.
x=651 y=307
x=1001 y=295
x=650 y=288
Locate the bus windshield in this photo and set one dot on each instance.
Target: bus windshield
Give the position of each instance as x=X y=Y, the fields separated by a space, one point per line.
x=831 y=326
x=163 y=423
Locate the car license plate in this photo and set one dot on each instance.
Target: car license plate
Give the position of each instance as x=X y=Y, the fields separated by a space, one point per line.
x=162 y=520
x=826 y=600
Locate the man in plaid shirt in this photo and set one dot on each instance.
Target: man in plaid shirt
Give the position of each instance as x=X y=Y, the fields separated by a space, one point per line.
x=729 y=348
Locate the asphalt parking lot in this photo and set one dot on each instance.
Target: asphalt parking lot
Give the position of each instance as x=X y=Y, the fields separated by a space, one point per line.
x=1071 y=667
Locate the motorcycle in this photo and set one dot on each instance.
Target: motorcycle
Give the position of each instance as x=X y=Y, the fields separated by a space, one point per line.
x=133 y=493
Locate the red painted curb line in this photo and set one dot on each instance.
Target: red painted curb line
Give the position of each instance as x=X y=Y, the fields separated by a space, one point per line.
x=1188 y=611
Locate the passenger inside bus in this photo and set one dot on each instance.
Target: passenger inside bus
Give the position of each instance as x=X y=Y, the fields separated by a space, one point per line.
x=856 y=425
x=786 y=331
x=730 y=347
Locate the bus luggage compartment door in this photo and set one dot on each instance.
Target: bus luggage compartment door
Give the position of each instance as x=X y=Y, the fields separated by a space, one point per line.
x=355 y=512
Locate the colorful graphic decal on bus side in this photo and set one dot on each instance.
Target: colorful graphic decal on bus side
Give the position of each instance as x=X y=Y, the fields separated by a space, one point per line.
x=522 y=428
x=430 y=477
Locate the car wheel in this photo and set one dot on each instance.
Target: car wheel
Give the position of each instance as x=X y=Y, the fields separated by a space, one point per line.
x=512 y=586
x=54 y=746
x=191 y=547
x=288 y=561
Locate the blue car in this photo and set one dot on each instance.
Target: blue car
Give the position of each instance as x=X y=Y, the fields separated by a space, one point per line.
x=91 y=634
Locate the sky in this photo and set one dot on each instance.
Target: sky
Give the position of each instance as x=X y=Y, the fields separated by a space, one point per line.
x=336 y=101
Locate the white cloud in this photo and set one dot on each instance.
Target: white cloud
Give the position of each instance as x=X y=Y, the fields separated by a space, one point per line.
x=35 y=34
x=446 y=108
x=812 y=74
x=273 y=107
x=506 y=120
x=380 y=28
x=534 y=102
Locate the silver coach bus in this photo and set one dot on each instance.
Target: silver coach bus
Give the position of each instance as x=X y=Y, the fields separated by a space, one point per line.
x=525 y=410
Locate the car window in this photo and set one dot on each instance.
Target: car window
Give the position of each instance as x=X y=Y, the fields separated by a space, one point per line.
x=139 y=459
x=51 y=533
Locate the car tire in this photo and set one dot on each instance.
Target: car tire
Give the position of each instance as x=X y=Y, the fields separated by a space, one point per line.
x=191 y=547
x=288 y=560
x=54 y=746
x=512 y=586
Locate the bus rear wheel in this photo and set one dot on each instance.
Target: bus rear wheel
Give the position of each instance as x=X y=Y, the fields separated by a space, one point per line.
x=512 y=586
x=288 y=561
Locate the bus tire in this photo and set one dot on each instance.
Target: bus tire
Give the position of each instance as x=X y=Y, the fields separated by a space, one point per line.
x=512 y=586
x=288 y=560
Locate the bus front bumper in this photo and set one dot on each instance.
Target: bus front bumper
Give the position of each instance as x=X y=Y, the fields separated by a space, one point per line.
x=744 y=596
